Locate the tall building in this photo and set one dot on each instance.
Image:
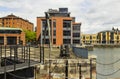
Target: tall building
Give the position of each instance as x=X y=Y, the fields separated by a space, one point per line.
x=13 y=21
x=64 y=30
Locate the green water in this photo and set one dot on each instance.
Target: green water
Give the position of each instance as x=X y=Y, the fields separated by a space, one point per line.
x=109 y=62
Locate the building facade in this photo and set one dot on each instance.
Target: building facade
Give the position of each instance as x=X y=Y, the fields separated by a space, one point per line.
x=89 y=39
x=63 y=28
x=13 y=21
x=76 y=33
x=103 y=37
x=11 y=36
x=109 y=36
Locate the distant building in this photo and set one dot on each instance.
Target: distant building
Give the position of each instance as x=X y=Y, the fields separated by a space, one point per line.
x=64 y=29
x=11 y=36
x=103 y=37
x=89 y=39
x=109 y=36
x=13 y=21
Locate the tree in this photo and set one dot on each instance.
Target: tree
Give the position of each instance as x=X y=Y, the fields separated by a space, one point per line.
x=30 y=36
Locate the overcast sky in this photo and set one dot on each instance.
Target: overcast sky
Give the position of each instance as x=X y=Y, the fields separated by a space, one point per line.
x=95 y=15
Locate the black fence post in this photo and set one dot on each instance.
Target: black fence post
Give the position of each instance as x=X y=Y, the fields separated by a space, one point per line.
x=24 y=53
x=10 y=52
x=40 y=52
x=15 y=57
x=0 y=53
x=80 y=74
x=29 y=55
x=43 y=54
x=66 y=70
x=5 y=64
x=90 y=68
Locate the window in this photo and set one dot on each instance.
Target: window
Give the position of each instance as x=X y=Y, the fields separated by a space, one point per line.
x=104 y=36
x=46 y=41
x=54 y=41
x=54 y=33
x=1 y=40
x=66 y=23
x=76 y=27
x=11 y=40
x=66 y=41
x=83 y=37
x=76 y=41
x=45 y=33
x=66 y=33
x=90 y=37
x=44 y=24
x=54 y=23
x=76 y=34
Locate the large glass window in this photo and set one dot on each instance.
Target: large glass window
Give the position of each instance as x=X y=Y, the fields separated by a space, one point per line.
x=54 y=41
x=76 y=34
x=46 y=41
x=44 y=24
x=104 y=36
x=66 y=41
x=45 y=32
x=66 y=33
x=11 y=40
x=1 y=40
x=66 y=23
x=54 y=33
x=11 y=31
x=76 y=41
x=54 y=23
x=76 y=27
x=112 y=36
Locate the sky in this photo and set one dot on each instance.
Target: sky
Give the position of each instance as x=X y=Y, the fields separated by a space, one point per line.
x=95 y=15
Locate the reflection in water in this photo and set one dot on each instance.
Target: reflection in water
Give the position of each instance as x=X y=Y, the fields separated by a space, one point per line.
x=109 y=62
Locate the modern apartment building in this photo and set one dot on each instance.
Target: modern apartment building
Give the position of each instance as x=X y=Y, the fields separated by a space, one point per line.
x=64 y=29
x=89 y=39
x=13 y=21
x=76 y=33
x=102 y=37
x=109 y=36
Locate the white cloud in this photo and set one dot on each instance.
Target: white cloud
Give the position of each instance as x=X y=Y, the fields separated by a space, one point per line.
x=95 y=15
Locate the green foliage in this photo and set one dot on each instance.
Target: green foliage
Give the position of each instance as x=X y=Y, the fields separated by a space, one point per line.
x=30 y=35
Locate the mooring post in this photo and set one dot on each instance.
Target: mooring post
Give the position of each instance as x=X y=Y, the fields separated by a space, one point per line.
x=90 y=68
x=80 y=74
x=66 y=70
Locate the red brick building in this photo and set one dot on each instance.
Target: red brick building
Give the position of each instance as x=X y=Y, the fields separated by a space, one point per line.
x=11 y=36
x=62 y=28
x=11 y=30
x=13 y=21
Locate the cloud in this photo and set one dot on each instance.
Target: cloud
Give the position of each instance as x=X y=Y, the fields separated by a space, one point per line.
x=95 y=15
